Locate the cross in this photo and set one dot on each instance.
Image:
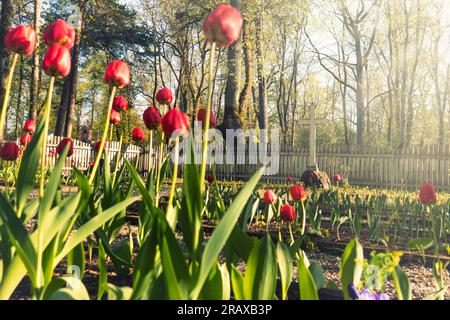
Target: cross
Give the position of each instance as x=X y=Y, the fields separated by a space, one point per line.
x=313 y=122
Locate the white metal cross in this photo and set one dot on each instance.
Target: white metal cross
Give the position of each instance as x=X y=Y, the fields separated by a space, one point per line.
x=312 y=122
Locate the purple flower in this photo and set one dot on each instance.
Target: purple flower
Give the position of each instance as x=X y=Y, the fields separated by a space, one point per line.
x=365 y=294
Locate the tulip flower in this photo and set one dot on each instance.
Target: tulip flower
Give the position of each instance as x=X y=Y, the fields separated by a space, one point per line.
x=427 y=194
x=62 y=145
x=120 y=104
x=298 y=193
x=201 y=117
x=9 y=151
x=29 y=126
x=115 y=117
x=117 y=74
x=21 y=40
x=175 y=120
x=138 y=134
x=97 y=147
x=289 y=179
x=270 y=197
x=210 y=179
x=164 y=96
x=152 y=118
x=25 y=139
x=287 y=213
x=60 y=32
x=57 y=61
x=223 y=25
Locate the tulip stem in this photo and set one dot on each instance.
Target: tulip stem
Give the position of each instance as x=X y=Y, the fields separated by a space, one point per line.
x=174 y=175
x=7 y=91
x=119 y=153
x=158 y=176
x=105 y=133
x=207 y=117
x=150 y=149
x=290 y=232
x=303 y=218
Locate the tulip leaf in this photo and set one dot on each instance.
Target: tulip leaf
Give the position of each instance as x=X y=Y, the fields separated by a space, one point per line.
x=351 y=266
x=307 y=286
x=237 y=283
x=401 y=283
x=285 y=266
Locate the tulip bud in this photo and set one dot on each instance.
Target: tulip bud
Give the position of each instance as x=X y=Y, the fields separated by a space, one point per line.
x=210 y=179
x=337 y=177
x=164 y=96
x=25 y=139
x=60 y=32
x=138 y=134
x=115 y=117
x=427 y=194
x=9 y=151
x=223 y=25
x=21 y=40
x=270 y=197
x=289 y=179
x=57 y=62
x=201 y=114
x=298 y=193
x=287 y=213
x=62 y=145
x=97 y=147
x=117 y=74
x=29 y=126
x=152 y=118
x=120 y=104
x=175 y=120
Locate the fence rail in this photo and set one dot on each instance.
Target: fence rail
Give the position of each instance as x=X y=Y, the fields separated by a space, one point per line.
x=408 y=168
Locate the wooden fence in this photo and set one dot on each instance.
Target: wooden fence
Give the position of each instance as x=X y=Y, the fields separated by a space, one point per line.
x=369 y=167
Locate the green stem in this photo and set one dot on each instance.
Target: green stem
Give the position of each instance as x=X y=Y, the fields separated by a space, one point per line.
x=303 y=218
x=174 y=176
x=158 y=176
x=290 y=232
x=207 y=116
x=7 y=91
x=150 y=149
x=119 y=153
x=105 y=133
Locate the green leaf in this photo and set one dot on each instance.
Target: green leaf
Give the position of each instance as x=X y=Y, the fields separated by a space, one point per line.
x=401 y=283
x=66 y=288
x=317 y=274
x=261 y=271
x=237 y=283
x=285 y=265
x=351 y=266
x=420 y=243
x=307 y=286
x=77 y=258
x=146 y=196
x=223 y=230
x=119 y=293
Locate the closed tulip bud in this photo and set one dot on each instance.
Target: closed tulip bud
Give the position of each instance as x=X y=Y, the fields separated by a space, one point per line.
x=289 y=179
x=62 y=145
x=427 y=194
x=287 y=213
x=210 y=179
x=223 y=25
x=138 y=134
x=115 y=117
x=9 y=151
x=91 y=164
x=29 y=126
x=120 y=104
x=337 y=177
x=201 y=114
x=152 y=118
x=60 y=32
x=164 y=96
x=117 y=74
x=57 y=62
x=25 y=139
x=21 y=40
x=298 y=193
x=175 y=121
x=97 y=147
x=270 y=197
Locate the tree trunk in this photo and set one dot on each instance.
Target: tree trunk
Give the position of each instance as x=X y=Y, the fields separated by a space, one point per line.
x=62 y=108
x=262 y=87
x=249 y=70
x=34 y=87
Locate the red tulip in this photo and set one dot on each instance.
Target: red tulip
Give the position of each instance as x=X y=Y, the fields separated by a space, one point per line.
x=25 y=139
x=201 y=113
x=120 y=104
x=337 y=177
x=175 y=121
x=97 y=146
x=287 y=213
x=62 y=145
x=115 y=117
x=9 y=151
x=57 y=62
x=52 y=153
x=164 y=96
x=427 y=194
x=152 y=118
x=210 y=179
x=289 y=179
x=298 y=192
x=138 y=134
x=21 y=39
x=270 y=197
x=29 y=126
x=117 y=74
x=60 y=32
x=91 y=164
x=223 y=25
